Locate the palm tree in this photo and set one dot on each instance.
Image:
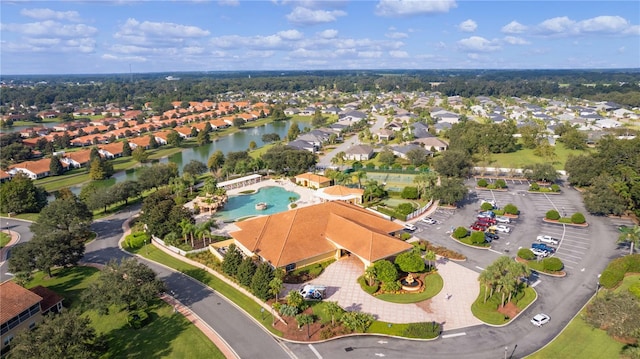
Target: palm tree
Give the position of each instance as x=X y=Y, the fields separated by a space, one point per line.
x=202 y=231
x=631 y=235
x=431 y=257
x=187 y=227
x=333 y=309
x=370 y=275
x=486 y=279
x=358 y=176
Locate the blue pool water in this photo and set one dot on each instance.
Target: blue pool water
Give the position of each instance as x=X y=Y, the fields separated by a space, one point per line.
x=243 y=205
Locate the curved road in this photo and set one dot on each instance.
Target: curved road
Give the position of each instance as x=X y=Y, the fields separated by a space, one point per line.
x=561 y=298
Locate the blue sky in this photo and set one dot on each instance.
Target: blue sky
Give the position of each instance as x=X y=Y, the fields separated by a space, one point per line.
x=62 y=37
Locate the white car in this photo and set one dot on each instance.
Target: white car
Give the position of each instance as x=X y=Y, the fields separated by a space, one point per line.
x=502 y=228
x=429 y=220
x=539 y=252
x=502 y=219
x=410 y=227
x=547 y=239
x=540 y=319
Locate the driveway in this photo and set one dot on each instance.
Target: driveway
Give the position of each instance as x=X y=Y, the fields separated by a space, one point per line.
x=341 y=277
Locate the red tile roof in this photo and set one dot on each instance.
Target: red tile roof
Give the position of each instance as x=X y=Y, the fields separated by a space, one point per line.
x=15 y=300
x=49 y=297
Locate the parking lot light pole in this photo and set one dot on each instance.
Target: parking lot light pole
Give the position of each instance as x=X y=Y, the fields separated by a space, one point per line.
x=505 y=352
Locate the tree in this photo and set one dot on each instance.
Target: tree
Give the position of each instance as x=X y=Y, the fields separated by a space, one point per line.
x=357 y=321
x=129 y=284
x=140 y=155
x=385 y=271
x=260 y=281
x=307 y=319
x=333 y=310
x=373 y=189
x=252 y=145
x=293 y=131
x=358 y=176
x=540 y=172
x=152 y=141
x=126 y=148
x=417 y=156
x=100 y=169
x=124 y=190
x=453 y=164
x=246 y=270
x=286 y=160
x=410 y=262
x=270 y=137
x=504 y=275
x=65 y=214
x=386 y=157
x=55 y=166
x=574 y=139
x=62 y=335
x=203 y=138
x=194 y=168
x=238 y=122
x=425 y=183
x=216 y=161
x=174 y=139
x=232 y=260
x=630 y=235
x=275 y=287
x=20 y=195
x=617 y=313
x=318 y=120
x=450 y=190
x=161 y=214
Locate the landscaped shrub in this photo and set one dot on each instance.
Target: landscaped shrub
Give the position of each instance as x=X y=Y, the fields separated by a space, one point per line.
x=534 y=187
x=555 y=188
x=409 y=192
x=357 y=321
x=370 y=166
x=410 y=262
x=288 y=310
x=422 y=330
x=578 y=218
x=356 y=165
x=443 y=251
x=635 y=290
x=526 y=253
x=477 y=237
x=410 y=168
x=511 y=209
x=486 y=206
x=492 y=186
x=633 y=263
x=552 y=214
x=385 y=271
x=405 y=208
x=501 y=183
x=405 y=236
x=552 y=264
x=610 y=278
x=391 y=286
x=460 y=233
x=482 y=182
x=420 y=246
x=137 y=239
x=371 y=289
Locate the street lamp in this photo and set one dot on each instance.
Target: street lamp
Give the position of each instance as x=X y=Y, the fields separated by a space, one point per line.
x=262 y=313
x=505 y=352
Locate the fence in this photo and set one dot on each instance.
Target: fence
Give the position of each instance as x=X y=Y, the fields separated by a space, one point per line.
x=419 y=211
x=177 y=250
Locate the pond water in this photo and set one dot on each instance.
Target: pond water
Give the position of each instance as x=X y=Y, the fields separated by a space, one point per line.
x=244 y=205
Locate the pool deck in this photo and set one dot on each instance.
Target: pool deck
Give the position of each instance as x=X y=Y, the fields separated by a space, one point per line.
x=307 y=196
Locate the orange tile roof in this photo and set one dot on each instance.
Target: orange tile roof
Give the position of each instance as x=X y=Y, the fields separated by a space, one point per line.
x=340 y=190
x=4 y=174
x=114 y=148
x=37 y=167
x=82 y=156
x=313 y=177
x=15 y=300
x=303 y=233
x=143 y=141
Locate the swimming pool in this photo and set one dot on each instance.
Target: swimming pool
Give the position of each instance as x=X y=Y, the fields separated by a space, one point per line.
x=244 y=205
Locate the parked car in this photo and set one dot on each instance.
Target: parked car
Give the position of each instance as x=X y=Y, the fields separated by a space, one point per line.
x=539 y=252
x=429 y=220
x=543 y=247
x=502 y=228
x=486 y=220
x=540 y=319
x=488 y=214
x=311 y=291
x=410 y=227
x=490 y=201
x=547 y=239
x=476 y=227
x=493 y=236
x=502 y=219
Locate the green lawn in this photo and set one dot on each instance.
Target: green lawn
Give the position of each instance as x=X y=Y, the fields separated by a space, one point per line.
x=167 y=335
x=580 y=340
x=525 y=156
x=488 y=312
x=4 y=239
x=433 y=285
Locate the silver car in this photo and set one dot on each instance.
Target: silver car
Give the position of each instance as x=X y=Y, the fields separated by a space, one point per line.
x=540 y=319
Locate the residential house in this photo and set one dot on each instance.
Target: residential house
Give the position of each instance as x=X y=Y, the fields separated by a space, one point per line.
x=183 y=131
x=401 y=151
x=142 y=141
x=33 y=169
x=385 y=134
x=420 y=130
x=432 y=144
x=308 y=111
x=352 y=116
x=77 y=159
x=312 y=180
x=359 y=153
x=332 y=110
x=111 y=150
x=303 y=145
x=317 y=233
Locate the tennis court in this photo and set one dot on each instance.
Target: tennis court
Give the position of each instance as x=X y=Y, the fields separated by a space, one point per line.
x=392 y=181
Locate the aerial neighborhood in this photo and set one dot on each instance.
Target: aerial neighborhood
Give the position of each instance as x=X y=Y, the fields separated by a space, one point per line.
x=317 y=214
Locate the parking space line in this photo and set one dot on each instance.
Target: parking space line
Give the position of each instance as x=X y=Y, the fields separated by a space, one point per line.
x=566 y=260
x=494 y=251
x=565 y=245
x=569 y=255
x=453 y=335
x=315 y=351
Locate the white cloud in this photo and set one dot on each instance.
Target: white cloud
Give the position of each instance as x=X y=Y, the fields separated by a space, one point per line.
x=50 y=28
x=394 y=8
x=632 y=30
x=611 y=24
x=478 y=44
x=48 y=14
x=254 y=42
x=513 y=40
x=306 y=16
x=370 y=54
x=513 y=27
x=399 y=54
x=328 y=34
x=468 y=26
x=396 y=35
x=621 y=50
x=133 y=27
x=558 y=25
x=112 y=57
x=291 y=35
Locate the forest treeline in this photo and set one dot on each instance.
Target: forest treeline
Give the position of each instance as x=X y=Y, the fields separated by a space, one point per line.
x=620 y=86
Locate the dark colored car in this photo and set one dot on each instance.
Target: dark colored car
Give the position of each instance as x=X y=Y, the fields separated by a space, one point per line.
x=543 y=247
x=491 y=235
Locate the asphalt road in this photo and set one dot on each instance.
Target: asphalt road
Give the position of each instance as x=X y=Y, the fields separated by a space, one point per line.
x=588 y=249
x=21 y=227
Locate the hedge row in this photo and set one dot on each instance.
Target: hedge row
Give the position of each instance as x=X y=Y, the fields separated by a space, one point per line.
x=617 y=268
x=576 y=218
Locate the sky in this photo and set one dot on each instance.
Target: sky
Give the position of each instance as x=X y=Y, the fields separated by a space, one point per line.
x=93 y=37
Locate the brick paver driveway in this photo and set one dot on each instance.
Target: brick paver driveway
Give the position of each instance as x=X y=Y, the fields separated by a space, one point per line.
x=340 y=278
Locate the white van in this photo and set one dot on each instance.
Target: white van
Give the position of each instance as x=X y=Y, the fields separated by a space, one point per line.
x=410 y=227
